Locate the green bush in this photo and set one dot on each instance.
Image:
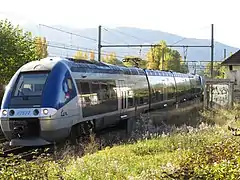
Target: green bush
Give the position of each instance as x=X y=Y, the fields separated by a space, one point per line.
x=205 y=152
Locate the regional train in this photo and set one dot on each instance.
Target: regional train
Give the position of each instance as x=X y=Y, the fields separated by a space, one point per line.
x=51 y=99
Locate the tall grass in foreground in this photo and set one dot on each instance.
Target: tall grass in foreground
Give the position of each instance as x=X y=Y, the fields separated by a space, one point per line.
x=206 y=151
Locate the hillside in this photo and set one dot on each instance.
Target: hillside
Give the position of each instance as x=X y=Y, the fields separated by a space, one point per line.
x=113 y=36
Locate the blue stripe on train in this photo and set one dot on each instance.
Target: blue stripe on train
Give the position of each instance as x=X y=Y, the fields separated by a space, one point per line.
x=53 y=94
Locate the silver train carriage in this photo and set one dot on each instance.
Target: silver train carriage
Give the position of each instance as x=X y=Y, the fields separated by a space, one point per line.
x=53 y=98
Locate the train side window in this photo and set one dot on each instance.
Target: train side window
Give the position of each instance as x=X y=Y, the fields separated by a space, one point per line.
x=154 y=95
x=69 y=83
x=104 y=91
x=95 y=92
x=109 y=96
x=85 y=89
x=112 y=92
x=97 y=96
x=85 y=94
x=130 y=98
x=95 y=86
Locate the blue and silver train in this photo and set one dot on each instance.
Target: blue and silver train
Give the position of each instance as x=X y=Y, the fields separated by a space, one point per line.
x=54 y=98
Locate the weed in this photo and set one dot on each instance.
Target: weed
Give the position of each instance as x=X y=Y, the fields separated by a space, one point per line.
x=205 y=150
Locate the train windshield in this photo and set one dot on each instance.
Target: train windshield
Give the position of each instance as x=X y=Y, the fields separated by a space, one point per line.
x=30 y=84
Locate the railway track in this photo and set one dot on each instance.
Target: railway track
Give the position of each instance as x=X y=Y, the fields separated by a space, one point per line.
x=23 y=152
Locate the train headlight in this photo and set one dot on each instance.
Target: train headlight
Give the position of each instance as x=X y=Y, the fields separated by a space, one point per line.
x=45 y=111
x=4 y=112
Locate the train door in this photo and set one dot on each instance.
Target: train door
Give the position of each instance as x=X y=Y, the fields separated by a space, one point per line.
x=123 y=98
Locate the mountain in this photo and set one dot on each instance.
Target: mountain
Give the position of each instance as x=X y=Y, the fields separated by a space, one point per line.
x=123 y=35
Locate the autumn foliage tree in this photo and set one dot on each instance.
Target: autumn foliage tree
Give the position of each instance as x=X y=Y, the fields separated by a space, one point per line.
x=158 y=58
x=41 y=45
x=81 y=55
x=130 y=62
x=155 y=56
x=218 y=70
x=92 y=56
x=164 y=58
x=111 y=59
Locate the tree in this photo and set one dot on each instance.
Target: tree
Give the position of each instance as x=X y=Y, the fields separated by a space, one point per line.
x=155 y=56
x=112 y=59
x=41 y=45
x=173 y=60
x=92 y=56
x=81 y=55
x=164 y=58
x=218 y=70
x=16 y=49
x=183 y=67
x=129 y=62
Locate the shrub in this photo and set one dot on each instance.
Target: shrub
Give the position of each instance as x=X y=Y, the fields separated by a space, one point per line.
x=207 y=151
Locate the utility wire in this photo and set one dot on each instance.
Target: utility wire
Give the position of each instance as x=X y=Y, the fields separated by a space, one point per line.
x=85 y=37
x=179 y=41
x=126 y=34
x=113 y=33
x=77 y=49
x=92 y=39
x=186 y=37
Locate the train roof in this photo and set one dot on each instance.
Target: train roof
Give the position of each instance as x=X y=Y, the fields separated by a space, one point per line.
x=94 y=67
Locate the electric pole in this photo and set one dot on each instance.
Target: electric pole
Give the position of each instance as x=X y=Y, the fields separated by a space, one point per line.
x=99 y=43
x=212 y=51
x=225 y=53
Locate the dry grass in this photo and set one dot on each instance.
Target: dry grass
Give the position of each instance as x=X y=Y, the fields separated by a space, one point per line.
x=200 y=148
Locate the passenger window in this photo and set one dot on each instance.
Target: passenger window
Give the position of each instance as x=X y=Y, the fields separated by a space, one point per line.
x=95 y=96
x=85 y=88
x=112 y=92
x=130 y=98
x=104 y=91
x=95 y=87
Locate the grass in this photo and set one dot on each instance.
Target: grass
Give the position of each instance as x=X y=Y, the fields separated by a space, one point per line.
x=207 y=151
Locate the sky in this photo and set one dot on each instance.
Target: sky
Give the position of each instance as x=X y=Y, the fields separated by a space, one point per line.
x=188 y=18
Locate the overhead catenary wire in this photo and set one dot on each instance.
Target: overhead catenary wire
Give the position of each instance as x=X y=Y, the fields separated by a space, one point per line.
x=129 y=35
x=113 y=33
x=183 y=38
x=126 y=34
x=85 y=37
x=77 y=49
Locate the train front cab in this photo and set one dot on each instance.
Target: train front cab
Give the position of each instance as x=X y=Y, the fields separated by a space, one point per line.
x=39 y=107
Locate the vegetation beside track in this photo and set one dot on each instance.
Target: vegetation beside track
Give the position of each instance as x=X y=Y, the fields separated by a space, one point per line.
x=208 y=150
